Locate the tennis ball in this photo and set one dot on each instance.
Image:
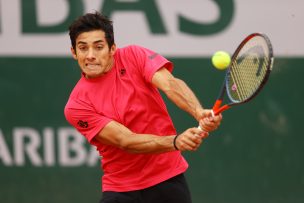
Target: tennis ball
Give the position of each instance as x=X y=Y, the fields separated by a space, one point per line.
x=221 y=60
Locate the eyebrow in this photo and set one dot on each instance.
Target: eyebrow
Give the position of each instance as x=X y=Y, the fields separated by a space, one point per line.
x=95 y=42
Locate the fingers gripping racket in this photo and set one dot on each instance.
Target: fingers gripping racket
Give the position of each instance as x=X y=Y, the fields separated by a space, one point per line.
x=247 y=73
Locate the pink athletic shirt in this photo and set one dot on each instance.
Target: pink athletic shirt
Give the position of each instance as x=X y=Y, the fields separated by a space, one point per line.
x=126 y=95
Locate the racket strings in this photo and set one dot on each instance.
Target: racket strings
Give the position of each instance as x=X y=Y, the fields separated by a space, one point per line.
x=248 y=70
x=245 y=83
x=242 y=83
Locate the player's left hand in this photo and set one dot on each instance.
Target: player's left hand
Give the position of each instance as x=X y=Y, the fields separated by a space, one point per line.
x=208 y=122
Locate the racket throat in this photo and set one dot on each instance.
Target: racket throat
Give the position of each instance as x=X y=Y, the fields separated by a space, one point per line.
x=217 y=108
x=217 y=104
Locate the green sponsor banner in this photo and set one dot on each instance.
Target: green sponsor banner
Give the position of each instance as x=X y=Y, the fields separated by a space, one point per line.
x=255 y=155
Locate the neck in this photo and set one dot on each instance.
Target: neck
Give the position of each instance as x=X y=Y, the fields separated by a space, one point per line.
x=110 y=65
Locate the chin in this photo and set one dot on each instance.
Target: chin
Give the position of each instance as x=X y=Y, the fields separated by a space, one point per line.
x=93 y=75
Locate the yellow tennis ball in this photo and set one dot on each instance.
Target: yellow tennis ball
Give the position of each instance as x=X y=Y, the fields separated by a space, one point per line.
x=221 y=60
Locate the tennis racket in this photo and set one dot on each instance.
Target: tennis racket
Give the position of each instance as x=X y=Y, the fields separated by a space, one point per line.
x=248 y=72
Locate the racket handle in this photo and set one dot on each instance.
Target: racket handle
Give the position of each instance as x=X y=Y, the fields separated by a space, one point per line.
x=212 y=113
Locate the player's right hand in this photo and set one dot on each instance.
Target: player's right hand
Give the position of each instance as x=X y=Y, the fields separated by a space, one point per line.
x=190 y=140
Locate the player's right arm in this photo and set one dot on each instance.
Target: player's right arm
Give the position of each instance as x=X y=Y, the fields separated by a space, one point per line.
x=118 y=135
x=181 y=95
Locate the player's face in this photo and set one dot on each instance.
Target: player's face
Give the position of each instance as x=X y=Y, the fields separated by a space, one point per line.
x=93 y=54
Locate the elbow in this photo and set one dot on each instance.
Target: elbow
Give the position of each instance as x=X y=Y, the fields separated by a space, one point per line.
x=125 y=146
x=131 y=150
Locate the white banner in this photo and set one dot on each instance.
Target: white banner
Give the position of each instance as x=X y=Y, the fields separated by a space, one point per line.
x=281 y=20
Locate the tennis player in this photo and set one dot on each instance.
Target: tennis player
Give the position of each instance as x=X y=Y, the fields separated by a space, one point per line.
x=116 y=105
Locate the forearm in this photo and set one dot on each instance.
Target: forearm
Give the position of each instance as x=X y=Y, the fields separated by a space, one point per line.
x=146 y=143
x=179 y=93
x=117 y=135
x=189 y=140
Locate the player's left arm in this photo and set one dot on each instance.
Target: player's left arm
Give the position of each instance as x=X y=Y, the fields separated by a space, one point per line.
x=180 y=94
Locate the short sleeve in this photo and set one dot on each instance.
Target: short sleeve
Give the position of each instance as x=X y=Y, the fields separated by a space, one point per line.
x=149 y=62
x=85 y=119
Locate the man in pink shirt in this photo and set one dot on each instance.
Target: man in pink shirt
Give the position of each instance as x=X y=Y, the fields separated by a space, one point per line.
x=116 y=105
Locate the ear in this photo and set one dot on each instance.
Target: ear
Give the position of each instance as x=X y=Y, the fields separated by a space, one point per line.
x=113 y=49
x=73 y=53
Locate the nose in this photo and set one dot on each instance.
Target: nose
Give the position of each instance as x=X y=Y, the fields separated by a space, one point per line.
x=91 y=54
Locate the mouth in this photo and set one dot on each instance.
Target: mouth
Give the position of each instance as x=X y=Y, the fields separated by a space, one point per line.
x=92 y=66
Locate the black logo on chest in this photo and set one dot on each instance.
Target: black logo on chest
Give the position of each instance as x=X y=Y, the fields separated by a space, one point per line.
x=122 y=71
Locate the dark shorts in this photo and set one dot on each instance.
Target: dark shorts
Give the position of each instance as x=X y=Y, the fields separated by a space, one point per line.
x=174 y=190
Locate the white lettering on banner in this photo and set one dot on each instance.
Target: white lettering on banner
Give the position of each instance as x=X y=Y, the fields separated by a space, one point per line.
x=282 y=23
x=5 y=156
x=49 y=146
x=69 y=142
x=29 y=147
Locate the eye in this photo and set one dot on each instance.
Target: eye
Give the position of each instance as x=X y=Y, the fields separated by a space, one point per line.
x=82 y=48
x=99 y=47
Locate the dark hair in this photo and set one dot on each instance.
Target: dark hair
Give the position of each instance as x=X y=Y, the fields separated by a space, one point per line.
x=90 y=22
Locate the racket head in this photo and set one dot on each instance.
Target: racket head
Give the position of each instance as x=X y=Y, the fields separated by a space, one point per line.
x=249 y=70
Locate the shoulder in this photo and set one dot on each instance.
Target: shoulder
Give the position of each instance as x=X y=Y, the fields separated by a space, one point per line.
x=80 y=86
x=78 y=105
x=78 y=95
